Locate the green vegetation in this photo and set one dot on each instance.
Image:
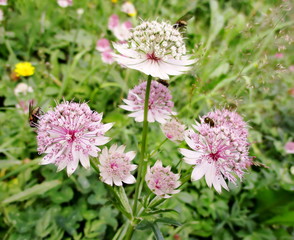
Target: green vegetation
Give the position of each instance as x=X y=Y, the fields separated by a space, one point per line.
x=236 y=43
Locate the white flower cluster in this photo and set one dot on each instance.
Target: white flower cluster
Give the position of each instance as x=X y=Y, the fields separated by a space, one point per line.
x=158 y=39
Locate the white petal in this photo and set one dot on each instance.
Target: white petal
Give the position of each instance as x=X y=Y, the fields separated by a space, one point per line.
x=131 y=155
x=126 y=107
x=84 y=159
x=199 y=171
x=210 y=174
x=130 y=179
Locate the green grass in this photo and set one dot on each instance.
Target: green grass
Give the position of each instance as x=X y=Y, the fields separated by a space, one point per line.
x=235 y=42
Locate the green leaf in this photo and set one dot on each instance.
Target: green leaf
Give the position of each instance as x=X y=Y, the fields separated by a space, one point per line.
x=120 y=191
x=143 y=225
x=152 y=212
x=169 y=221
x=157 y=232
x=32 y=192
x=285 y=218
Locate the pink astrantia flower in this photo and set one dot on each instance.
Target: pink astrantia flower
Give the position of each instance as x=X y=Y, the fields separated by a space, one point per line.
x=156 y=49
x=115 y=166
x=107 y=57
x=289 y=147
x=3 y=2
x=64 y=3
x=113 y=21
x=162 y=181
x=219 y=148
x=69 y=134
x=160 y=103
x=173 y=130
x=103 y=45
x=129 y=9
x=122 y=31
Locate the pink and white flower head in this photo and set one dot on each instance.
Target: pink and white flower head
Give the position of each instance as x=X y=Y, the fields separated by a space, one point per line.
x=129 y=9
x=64 y=3
x=174 y=130
x=107 y=57
x=289 y=147
x=69 y=134
x=162 y=181
x=219 y=148
x=156 y=49
x=115 y=166
x=103 y=45
x=122 y=31
x=113 y=22
x=3 y=2
x=160 y=103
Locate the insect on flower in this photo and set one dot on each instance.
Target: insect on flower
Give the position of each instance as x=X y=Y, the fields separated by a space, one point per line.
x=209 y=121
x=34 y=114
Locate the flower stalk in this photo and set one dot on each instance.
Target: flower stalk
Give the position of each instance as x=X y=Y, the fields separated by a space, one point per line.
x=139 y=186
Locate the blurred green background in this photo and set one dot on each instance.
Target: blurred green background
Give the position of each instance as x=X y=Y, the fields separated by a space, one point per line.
x=246 y=61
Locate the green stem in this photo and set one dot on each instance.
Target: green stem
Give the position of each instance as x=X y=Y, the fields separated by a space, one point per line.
x=130 y=232
x=143 y=147
x=157 y=148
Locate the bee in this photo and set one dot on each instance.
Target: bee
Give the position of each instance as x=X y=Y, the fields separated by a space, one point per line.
x=181 y=24
x=34 y=114
x=163 y=82
x=209 y=121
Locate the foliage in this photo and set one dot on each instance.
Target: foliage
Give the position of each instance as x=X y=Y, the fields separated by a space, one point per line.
x=236 y=43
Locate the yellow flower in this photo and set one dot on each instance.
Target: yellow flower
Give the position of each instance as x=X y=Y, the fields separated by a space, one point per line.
x=24 y=69
x=114 y=1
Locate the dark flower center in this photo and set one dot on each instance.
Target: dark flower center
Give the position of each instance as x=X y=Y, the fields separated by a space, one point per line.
x=151 y=56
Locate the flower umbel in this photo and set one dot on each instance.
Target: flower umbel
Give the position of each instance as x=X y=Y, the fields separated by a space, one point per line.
x=161 y=180
x=173 y=130
x=156 y=49
x=160 y=103
x=71 y=133
x=24 y=69
x=219 y=148
x=115 y=165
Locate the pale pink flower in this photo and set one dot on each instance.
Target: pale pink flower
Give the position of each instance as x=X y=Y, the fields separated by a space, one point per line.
x=103 y=45
x=69 y=134
x=115 y=166
x=160 y=103
x=162 y=181
x=219 y=148
x=173 y=130
x=3 y=2
x=64 y=3
x=113 y=21
x=128 y=25
x=289 y=147
x=156 y=49
x=129 y=9
x=122 y=32
x=279 y=55
x=291 y=68
x=22 y=88
x=107 y=57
